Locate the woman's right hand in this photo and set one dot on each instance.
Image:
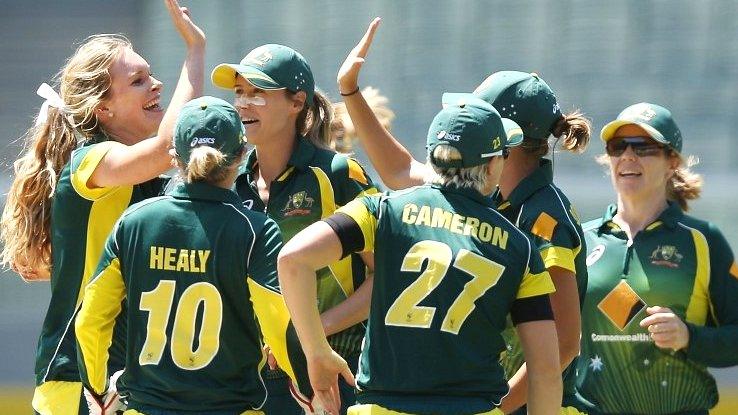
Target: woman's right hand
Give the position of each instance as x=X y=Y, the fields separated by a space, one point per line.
x=192 y=35
x=348 y=74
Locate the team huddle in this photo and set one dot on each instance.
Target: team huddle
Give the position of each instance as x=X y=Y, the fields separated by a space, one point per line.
x=278 y=279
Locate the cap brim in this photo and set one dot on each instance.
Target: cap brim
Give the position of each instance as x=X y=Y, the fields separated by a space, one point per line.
x=608 y=131
x=513 y=131
x=224 y=76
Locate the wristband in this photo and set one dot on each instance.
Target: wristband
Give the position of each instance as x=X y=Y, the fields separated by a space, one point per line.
x=350 y=93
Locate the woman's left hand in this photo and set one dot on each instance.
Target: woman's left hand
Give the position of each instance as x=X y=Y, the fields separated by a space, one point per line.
x=667 y=330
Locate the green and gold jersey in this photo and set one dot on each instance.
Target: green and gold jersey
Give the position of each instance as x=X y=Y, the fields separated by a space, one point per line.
x=677 y=262
x=197 y=273
x=448 y=269
x=541 y=209
x=81 y=219
x=314 y=184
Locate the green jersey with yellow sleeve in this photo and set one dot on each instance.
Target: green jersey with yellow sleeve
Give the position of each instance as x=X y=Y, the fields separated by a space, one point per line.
x=81 y=219
x=314 y=184
x=541 y=209
x=197 y=275
x=448 y=270
x=678 y=262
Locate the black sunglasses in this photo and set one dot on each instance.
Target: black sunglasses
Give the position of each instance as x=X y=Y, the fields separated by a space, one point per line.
x=642 y=146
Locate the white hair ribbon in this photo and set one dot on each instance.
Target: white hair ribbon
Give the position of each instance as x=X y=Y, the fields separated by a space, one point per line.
x=52 y=100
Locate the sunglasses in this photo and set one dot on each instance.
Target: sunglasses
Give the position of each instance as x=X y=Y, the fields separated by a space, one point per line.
x=642 y=146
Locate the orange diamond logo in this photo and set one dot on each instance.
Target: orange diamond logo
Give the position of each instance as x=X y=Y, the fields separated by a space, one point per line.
x=621 y=305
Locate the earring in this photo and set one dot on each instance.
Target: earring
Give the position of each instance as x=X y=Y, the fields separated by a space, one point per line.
x=110 y=114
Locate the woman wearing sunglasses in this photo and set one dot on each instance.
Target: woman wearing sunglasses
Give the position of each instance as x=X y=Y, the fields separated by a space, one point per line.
x=662 y=284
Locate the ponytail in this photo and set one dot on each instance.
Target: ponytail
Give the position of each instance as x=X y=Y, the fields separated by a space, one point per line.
x=576 y=130
x=684 y=185
x=25 y=227
x=314 y=121
x=26 y=219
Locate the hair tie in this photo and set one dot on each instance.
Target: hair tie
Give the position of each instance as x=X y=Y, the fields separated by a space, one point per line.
x=52 y=99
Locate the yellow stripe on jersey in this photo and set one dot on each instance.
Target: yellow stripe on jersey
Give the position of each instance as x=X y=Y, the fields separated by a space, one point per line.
x=95 y=322
x=286 y=174
x=654 y=225
x=327 y=198
x=544 y=226
x=84 y=171
x=271 y=311
x=558 y=256
x=734 y=270
x=356 y=172
x=366 y=221
x=56 y=397
x=699 y=302
x=341 y=270
x=103 y=215
x=535 y=284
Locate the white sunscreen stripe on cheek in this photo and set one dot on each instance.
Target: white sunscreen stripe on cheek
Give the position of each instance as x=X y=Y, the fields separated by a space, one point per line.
x=243 y=101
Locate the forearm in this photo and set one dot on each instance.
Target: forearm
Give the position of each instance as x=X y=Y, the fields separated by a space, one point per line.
x=349 y=312
x=391 y=160
x=189 y=86
x=720 y=341
x=299 y=289
x=544 y=392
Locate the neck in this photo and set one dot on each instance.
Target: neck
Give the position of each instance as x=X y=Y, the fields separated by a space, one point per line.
x=518 y=166
x=273 y=158
x=634 y=214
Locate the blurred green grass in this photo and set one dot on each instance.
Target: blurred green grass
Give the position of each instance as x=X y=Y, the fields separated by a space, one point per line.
x=16 y=400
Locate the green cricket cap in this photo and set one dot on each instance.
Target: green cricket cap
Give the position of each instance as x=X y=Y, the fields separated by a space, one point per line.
x=269 y=66
x=473 y=127
x=524 y=98
x=208 y=121
x=655 y=119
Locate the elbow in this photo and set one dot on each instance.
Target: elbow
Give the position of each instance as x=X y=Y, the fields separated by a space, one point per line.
x=289 y=259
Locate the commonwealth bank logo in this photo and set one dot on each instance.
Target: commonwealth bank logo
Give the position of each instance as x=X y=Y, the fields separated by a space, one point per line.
x=621 y=305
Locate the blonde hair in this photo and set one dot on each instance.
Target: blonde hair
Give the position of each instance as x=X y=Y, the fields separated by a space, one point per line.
x=683 y=185
x=207 y=164
x=472 y=177
x=83 y=81
x=574 y=128
x=314 y=121
x=343 y=132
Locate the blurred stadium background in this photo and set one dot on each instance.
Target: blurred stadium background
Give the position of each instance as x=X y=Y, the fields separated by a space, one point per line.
x=598 y=56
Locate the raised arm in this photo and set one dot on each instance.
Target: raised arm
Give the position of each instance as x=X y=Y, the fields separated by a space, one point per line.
x=396 y=166
x=128 y=165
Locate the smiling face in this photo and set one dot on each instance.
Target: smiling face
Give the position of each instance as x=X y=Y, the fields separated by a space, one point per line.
x=133 y=100
x=641 y=177
x=268 y=115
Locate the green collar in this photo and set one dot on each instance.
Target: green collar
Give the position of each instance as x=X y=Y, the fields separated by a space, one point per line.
x=669 y=217
x=302 y=153
x=204 y=191
x=464 y=191
x=541 y=177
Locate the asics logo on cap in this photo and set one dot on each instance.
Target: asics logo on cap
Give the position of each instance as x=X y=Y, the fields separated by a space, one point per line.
x=556 y=108
x=202 y=140
x=443 y=135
